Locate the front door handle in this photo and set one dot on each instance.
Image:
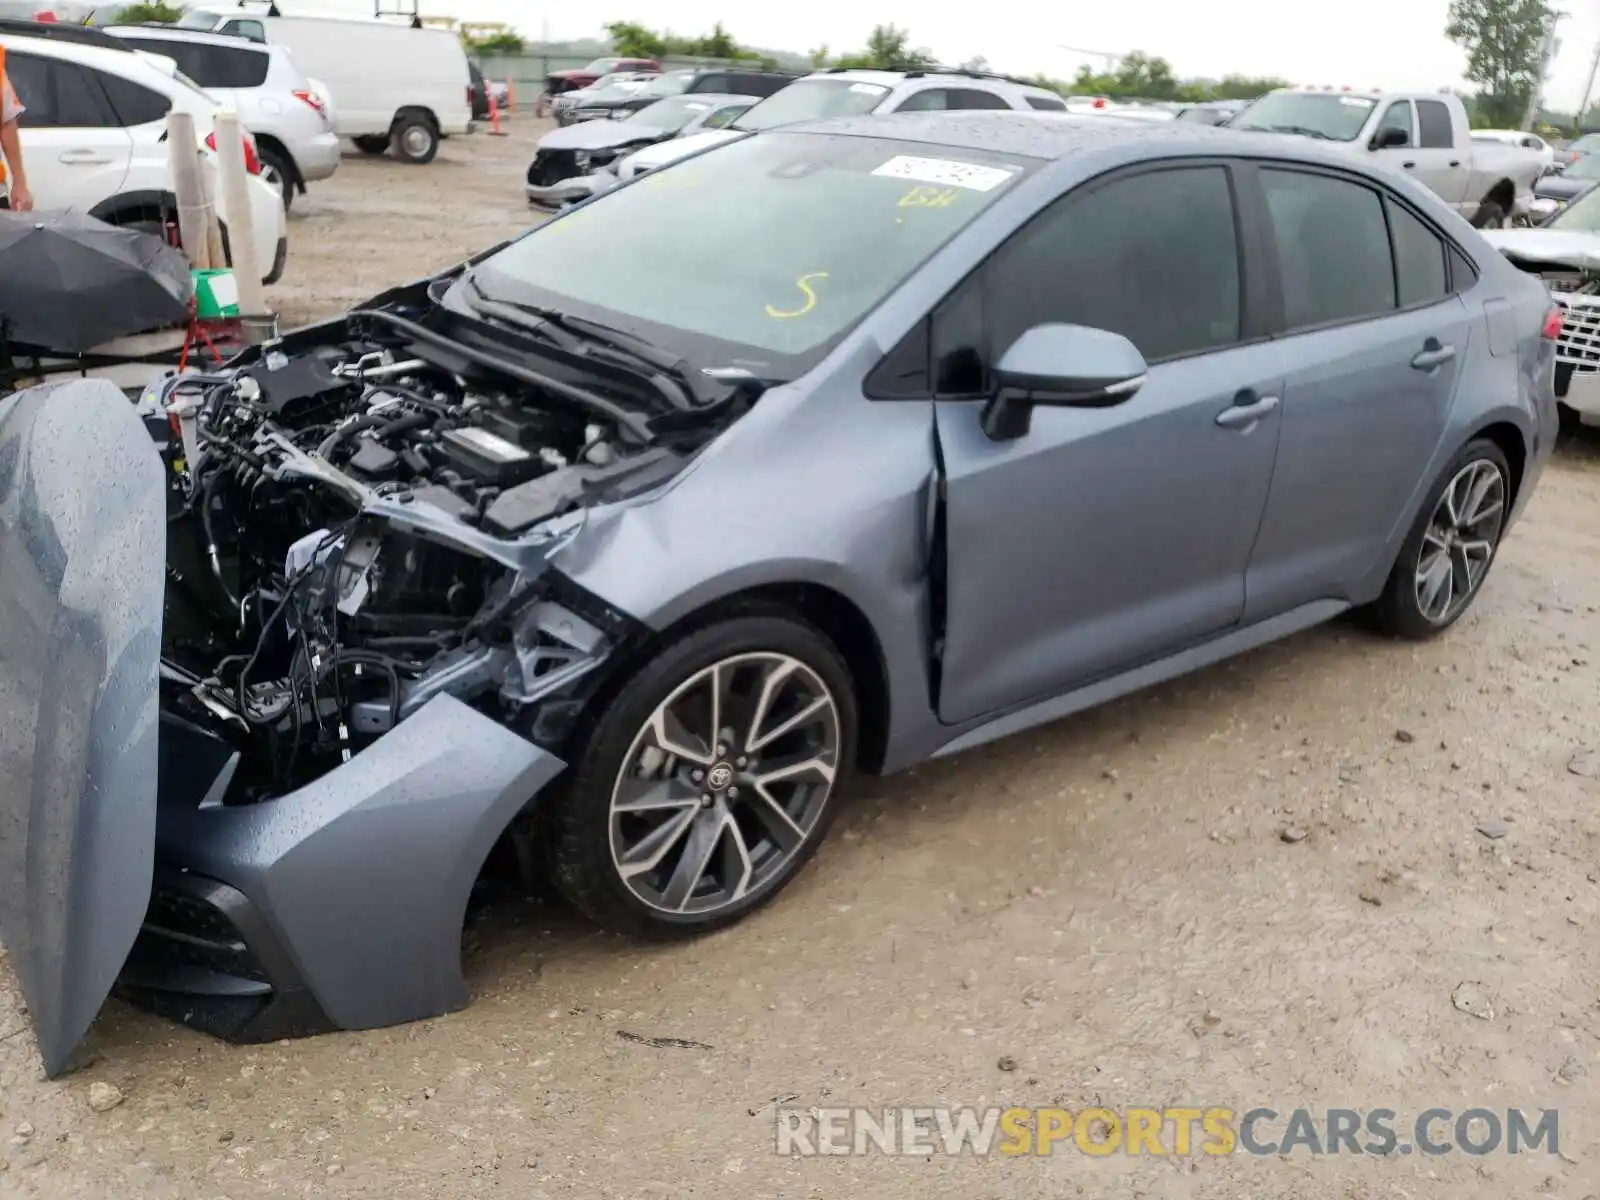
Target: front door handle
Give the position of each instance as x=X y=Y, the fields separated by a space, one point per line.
x=1247 y=409
x=1433 y=355
x=1410 y=166
x=84 y=156
x=1455 y=162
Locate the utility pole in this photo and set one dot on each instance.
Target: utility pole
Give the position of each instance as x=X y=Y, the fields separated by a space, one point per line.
x=1547 y=51
x=1588 y=88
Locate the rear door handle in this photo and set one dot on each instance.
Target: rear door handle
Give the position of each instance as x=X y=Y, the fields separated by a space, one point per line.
x=1248 y=409
x=91 y=157
x=1410 y=166
x=1433 y=355
x=1455 y=162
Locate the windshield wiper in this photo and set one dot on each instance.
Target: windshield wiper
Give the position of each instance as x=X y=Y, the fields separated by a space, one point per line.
x=1301 y=130
x=581 y=336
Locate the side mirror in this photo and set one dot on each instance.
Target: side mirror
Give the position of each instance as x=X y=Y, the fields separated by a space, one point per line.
x=1391 y=137
x=1062 y=366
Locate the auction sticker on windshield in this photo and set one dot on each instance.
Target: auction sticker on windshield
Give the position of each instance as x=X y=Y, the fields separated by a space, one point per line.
x=944 y=172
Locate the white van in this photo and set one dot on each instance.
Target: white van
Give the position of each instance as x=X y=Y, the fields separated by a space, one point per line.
x=395 y=85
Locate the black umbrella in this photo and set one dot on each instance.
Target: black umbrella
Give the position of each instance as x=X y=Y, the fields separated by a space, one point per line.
x=69 y=282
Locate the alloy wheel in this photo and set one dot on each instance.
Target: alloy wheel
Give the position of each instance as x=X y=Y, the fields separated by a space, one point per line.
x=416 y=140
x=1460 y=541
x=724 y=784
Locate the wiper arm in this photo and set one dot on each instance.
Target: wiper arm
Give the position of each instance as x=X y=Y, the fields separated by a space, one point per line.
x=579 y=335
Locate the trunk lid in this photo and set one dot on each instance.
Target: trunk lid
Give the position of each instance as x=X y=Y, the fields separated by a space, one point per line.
x=82 y=561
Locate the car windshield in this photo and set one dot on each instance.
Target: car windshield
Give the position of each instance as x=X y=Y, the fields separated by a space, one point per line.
x=671 y=114
x=601 y=66
x=1581 y=216
x=1587 y=167
x=1329 y=116
x=1203 y=116
x=813 y=99
x=197 y=18
x=1589 y=143
x=760 y=254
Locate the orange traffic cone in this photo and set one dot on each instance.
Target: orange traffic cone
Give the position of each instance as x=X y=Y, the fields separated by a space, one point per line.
x=494 y=116
x=511 y=95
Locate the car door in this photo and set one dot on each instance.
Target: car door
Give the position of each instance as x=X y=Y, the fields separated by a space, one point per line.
x=77 y=153
x=1441 y=165
x=1399 y=115
x=1105 y=537
x=1374 y=338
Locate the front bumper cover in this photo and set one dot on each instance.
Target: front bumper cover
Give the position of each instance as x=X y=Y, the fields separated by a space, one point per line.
x=339 y=905
x=570 y=191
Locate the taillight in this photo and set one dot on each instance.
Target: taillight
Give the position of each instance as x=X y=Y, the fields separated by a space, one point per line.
x=315 y=101
x=252 y=161
x=1553 y=321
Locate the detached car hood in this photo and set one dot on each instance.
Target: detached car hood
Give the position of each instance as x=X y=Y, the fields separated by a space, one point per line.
x=599 y=135
x=1548 y=247
x=82 y=556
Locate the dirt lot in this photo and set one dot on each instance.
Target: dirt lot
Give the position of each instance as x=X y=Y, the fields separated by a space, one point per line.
x=1263 y=885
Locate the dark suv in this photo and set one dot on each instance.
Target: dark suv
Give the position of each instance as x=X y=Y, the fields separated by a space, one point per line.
x=724 y=81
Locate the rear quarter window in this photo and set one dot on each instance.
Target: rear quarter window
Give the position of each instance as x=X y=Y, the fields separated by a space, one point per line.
x=133 y=103
x=1047 y=103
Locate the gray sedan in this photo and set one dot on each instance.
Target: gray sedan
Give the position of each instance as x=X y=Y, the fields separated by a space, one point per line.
x=829 y=450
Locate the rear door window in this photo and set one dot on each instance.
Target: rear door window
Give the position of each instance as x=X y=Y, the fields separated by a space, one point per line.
x=133 y=103
x=927 y=100
x=59 y=95
x=1333 y=248
x=1421 y=262
x=255 y=31
x=1047 y=104
x=1437 y=131
x=975 y=98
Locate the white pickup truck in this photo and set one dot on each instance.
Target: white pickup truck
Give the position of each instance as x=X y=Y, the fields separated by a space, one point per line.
x=1424 y=134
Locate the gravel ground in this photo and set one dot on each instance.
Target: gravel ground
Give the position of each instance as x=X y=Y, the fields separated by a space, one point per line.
x=1339 y=872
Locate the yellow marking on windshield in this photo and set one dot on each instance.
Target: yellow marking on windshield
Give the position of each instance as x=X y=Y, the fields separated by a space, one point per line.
x=804 y=284
x=923 y=196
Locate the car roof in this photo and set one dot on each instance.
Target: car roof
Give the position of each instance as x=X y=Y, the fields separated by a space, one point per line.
x=56 y=31
x=168 y=33
x=1058 y=135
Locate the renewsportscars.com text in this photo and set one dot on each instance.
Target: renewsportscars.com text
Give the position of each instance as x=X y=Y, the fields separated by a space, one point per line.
x=1162 y=1132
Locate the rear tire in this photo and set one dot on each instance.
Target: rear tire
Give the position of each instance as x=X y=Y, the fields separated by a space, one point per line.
x=279 y=171
x=372 y=143
x=752 y=815
x=1446 y=557
x=415 y=139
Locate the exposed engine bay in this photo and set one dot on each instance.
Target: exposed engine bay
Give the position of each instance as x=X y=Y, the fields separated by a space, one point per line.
x=359 y=526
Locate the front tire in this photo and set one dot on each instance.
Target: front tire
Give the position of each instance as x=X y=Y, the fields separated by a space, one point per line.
x=1491 y=214
x=1447 y=555
x=708 y=781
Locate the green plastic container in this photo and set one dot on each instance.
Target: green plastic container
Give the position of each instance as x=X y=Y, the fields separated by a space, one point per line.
x=216 y=295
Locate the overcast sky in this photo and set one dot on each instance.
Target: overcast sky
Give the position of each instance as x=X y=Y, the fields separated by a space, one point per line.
x=1397 y=44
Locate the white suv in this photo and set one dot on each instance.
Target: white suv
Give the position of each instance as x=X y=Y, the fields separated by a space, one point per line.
x=94 y=136
x=273 y=97
x=842 y=92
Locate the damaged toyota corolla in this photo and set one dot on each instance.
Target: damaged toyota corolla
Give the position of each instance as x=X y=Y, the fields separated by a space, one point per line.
x=624 y=544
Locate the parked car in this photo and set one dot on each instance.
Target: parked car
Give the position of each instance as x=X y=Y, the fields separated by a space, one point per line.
x=839 y=92
x=573 y=163
x=1589 y=143
x=94 y=135
x=1216 y=112
x=398 y=86
x=263 y=84
x=714 y=81
x=1564 y=253
x=1555 y=191
x=559 y=82
x=623 y=85
x=955 y=494
x=1522 y=138
x=1426 y=135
